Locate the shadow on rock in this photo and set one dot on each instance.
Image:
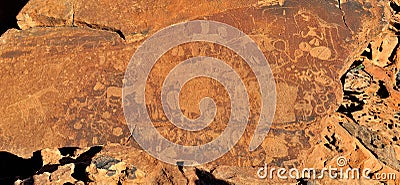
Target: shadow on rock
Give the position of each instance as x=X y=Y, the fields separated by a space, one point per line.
x=207 y=178
x=9 y=10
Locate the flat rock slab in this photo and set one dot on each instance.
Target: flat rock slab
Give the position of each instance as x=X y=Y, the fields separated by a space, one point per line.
x=62 y=85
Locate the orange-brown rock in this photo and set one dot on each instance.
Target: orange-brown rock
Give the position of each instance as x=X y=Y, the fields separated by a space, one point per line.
x=337 y=96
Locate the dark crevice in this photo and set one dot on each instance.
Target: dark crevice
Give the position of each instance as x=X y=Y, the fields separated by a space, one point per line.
x=367 y=147
x=382 y=91
x=344 y=16
x=207 y=178
x=81 y=163
x=394 y=6
x=350 y=102
x=393 y=54
x=180 y=168
x=80 y=172
x=84 y=161
x=332 y=141
x=48 y=168
x=302 y=181
x=100 y=27
x=368 y=52
x=13 y=167
x=356 y=63
x=119 y=32
x=66 y=160
x=380 y=49
x=68 y=151
x=355 y=105
x=396 y=27
x=345 y=23
x=88 y=155
x=8 y=13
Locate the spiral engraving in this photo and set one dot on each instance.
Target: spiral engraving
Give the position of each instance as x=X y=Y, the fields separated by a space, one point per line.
x=137 y=73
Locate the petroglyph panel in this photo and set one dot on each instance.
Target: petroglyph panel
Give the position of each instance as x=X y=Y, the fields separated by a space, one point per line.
x=62 y=85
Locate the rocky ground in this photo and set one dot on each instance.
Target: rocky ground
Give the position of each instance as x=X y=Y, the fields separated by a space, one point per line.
x=336 y=66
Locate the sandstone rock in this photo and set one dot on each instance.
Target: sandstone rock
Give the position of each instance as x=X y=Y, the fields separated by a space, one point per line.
x=383 y=50
x=155 y=172
x=75 y=60
x=61 y=105
x=62 y=77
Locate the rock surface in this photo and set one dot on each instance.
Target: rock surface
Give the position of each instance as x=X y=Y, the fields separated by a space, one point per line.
x=335 y=64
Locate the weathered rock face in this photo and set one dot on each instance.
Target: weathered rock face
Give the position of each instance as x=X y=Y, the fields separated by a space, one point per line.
x=371 y=99
x=62 y=77
x=70 y=67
